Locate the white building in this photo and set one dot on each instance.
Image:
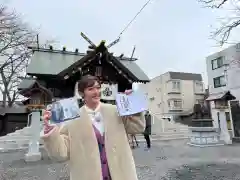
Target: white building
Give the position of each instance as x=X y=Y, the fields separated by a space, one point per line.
x=223 y=71
x=223 y=76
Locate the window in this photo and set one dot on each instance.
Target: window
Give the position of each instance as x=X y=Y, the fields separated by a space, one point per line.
x=176 y=85
x=219 y=81
x=175 y=103
x=217 y=63
x=199 y=86
x=35 y=100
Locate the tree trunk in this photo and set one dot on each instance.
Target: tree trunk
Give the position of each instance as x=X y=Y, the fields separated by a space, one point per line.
x=4 y=103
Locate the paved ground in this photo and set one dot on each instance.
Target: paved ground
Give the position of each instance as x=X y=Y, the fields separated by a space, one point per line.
x=169 y=160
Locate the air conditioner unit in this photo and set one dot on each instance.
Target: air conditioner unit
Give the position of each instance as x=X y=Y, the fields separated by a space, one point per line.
x=152 y=98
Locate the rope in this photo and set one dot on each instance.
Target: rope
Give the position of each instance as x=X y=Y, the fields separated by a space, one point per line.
x=134 y=17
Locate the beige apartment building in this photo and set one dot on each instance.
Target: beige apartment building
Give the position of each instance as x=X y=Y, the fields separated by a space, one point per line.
x=175 y=92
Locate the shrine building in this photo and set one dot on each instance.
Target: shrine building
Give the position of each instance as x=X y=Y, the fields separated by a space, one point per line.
x=52 y=74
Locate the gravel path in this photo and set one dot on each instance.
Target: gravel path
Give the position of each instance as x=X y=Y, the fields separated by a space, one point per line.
x=168 y=160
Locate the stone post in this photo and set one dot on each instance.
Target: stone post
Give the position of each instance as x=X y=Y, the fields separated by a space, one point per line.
x=33 y=149
x=224 y=134
x=163 y=125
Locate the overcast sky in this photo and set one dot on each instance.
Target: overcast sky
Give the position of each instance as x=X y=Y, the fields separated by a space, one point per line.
x=170 y=35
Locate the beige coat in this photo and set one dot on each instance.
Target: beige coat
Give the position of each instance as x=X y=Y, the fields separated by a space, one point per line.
x=76 y=142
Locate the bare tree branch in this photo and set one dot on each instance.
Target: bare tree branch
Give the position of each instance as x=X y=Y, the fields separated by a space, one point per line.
x=223 y=33
x=227 y=24
x=15 y=38
x=213 y=3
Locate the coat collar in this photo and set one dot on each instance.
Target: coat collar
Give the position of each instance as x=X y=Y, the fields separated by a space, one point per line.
x=90 y=111
x=85 y=119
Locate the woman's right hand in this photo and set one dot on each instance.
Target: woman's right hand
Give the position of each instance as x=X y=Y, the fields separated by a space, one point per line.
x=46 y=117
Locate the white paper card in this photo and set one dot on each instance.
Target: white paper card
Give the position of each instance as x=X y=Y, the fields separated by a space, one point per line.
x=65 y=109
x=133 y=103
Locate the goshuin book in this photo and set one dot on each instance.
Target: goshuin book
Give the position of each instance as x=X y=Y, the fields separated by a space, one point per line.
x=64 y=110
x=133 y=103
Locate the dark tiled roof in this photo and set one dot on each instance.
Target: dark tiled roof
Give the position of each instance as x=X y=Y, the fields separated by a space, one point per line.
x=223 y=95
x=53 y=62
x=135 y=69
x=185 y=76
x=15 y=104
x=13 y=110
x=47 y=62
x=26 y=83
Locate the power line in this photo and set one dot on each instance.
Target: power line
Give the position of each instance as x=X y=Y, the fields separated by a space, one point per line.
x=134 y=17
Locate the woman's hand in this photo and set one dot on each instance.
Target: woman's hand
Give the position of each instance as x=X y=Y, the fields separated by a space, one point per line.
x=46 y=117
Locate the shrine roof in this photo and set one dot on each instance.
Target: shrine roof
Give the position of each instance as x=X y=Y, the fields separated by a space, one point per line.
x=135 y=69
x=52 y=62
x=26 y=83
x=185 y=76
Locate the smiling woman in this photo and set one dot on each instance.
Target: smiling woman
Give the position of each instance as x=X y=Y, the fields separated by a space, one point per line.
x=90 y=89
x=97 y=140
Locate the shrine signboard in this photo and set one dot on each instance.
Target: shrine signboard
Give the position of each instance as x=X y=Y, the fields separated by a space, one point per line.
x=109 y=91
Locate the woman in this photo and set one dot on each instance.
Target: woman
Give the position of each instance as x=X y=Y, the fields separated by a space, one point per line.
x=96 y=144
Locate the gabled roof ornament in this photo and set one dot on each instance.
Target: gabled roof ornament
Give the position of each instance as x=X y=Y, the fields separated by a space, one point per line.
x=121 y=56
x=133 y=53
x=101 y=47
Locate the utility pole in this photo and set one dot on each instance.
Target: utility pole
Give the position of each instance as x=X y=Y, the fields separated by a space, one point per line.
x=37 y=41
